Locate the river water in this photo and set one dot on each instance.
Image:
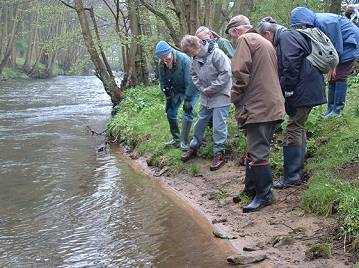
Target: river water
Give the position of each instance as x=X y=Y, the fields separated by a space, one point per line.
x=65 y=204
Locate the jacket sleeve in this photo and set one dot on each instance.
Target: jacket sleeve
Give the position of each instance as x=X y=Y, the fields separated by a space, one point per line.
x=333 y=31
x=223 y=67
x=293 y=50
x=241 y=70
x=226 y=47
x=162 y=77
x=195 y=79
x=190 y=88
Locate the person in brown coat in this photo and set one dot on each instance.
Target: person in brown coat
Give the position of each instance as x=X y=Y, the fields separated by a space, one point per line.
x=259 y=103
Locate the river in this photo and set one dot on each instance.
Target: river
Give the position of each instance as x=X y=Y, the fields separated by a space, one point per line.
x=64 y=203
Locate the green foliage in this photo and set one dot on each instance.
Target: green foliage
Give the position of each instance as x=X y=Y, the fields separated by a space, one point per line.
x=334 y=144
x=280 y=10
x=142 y=124
x=10 y=73
x=194 y=171
x=321 y=197
x=348 y=208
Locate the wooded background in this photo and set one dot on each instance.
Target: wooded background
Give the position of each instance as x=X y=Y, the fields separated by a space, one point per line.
x=43 y=37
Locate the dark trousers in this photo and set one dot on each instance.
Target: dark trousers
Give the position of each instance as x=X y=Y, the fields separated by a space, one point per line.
x=296 y=133
x=259 y=138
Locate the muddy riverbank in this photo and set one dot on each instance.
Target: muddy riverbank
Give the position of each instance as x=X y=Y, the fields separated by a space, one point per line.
x=282 y=232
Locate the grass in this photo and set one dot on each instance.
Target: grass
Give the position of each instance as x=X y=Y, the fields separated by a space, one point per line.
x=10 y=73
x=332 y=144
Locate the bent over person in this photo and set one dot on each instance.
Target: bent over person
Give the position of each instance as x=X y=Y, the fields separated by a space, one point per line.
x=345 y=38
x=211 y=73
x=303 y=87
x=177 y=85
x=259 y=103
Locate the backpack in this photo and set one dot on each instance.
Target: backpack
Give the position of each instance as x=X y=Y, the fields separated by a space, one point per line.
x=324 y=55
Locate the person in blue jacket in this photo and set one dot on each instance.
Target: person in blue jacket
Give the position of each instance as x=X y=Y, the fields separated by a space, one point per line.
x=345 y=37
x=176 y=83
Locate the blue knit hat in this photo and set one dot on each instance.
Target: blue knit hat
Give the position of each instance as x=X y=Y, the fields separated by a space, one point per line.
x=162 y=49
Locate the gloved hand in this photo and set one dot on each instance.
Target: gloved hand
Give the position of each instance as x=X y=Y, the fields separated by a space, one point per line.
x=168 y=104
x=187 y=105
x=290 y=109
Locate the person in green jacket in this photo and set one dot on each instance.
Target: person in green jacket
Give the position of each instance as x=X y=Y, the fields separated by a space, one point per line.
x=224 y=44
x=177 y=85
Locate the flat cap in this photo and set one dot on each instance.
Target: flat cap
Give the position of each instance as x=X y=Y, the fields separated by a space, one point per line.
x=236 y=21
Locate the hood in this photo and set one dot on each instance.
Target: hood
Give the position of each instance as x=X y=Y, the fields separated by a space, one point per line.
x=302 y=15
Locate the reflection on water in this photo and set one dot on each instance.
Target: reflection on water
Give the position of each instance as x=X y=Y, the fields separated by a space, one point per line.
x=64 y=204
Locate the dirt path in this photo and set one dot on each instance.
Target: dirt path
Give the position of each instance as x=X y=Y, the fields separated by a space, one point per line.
x=281 y=231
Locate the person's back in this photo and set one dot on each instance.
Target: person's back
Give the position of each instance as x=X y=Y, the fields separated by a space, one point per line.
x=296 y=74
x=256 y=84
x=226 y=46
x=341 y=28
x=341 y=31
x=345 y=37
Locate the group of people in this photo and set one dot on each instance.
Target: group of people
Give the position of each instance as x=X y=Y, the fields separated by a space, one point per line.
x=267 y=75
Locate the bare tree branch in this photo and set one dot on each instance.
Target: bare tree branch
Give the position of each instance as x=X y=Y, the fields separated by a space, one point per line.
x=66 y=4
x=166 y=20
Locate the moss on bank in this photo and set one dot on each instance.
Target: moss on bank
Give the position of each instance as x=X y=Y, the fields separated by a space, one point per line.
x=333 y=144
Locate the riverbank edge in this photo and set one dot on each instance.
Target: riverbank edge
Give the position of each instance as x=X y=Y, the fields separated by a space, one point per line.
x=139 y=123
x=140 y=165
x=281 y=255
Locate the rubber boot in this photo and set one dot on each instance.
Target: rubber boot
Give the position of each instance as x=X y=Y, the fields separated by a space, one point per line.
x=331 y=93
x=339 y=99
x=186 y=128
x=293 y=158
x=175 y=133
x=263 y=180
x=249 y=187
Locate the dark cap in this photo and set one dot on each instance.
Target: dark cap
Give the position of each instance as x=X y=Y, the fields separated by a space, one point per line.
x=236 y=21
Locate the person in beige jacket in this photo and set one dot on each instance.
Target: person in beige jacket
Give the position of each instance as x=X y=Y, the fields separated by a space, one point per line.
x=259 y=103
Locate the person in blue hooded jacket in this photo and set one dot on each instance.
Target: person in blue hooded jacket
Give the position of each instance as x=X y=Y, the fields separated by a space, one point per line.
x=177 y=85
x=345 y=37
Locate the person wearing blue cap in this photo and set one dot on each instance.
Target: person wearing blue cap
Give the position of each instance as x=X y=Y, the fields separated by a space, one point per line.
x=176 y=83
x=345 y=38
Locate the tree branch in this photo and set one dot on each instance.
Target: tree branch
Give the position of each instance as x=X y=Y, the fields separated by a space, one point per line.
x=166 y=20
x=66 y=4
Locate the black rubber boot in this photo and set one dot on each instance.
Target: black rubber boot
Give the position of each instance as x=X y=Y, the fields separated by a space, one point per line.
x=175 y=141
x=186 y=128
x=293 y=158
x=249 y=186
x=263 y=182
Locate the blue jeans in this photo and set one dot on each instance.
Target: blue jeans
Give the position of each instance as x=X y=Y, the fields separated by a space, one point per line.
x=220 y=131
x=176 y=102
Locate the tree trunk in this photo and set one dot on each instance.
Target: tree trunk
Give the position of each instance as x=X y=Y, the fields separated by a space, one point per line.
x=136 y=72
x=11 y=40
x=31 y=42
x=109 y=82
x=335 y=6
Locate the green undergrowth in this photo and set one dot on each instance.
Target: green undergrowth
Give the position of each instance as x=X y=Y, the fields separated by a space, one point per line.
x=333 y=150
x=11 y=73
x=333 y=144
